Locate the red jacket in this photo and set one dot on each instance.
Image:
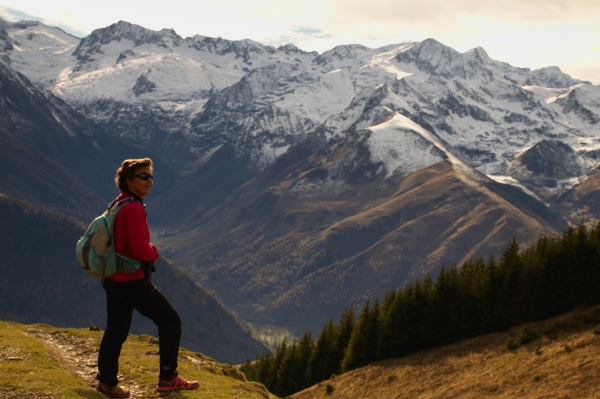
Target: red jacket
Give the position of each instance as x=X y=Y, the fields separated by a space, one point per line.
x=131 y=232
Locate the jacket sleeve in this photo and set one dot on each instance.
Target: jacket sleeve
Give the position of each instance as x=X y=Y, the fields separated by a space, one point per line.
x=138 y=234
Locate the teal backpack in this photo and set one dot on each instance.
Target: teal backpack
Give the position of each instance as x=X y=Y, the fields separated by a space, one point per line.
x=96 y=248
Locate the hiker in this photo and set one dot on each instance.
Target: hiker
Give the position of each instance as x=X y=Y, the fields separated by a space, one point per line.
x=126 y=292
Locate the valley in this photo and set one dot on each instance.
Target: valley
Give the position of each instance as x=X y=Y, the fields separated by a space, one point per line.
x=290 y=183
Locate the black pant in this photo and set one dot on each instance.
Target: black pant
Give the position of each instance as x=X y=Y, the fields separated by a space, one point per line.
x=121 y=299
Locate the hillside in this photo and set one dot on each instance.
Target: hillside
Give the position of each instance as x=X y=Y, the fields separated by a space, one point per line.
x=42 y=181
x=293 y=183
x=62 y=294
x=561 y=363
x=42 y=362
x=582 y=203
x=289 y=251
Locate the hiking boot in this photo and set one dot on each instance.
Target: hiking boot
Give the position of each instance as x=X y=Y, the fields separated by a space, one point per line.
x=176 y=383
x=114 y=392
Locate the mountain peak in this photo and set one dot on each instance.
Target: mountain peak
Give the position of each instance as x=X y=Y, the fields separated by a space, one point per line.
x=431 y=56
x=138 y=34
x=479 y=54
x=552 y=76
x=432 y=46
x=548 y=160
x=245 y=49
x=342 y=53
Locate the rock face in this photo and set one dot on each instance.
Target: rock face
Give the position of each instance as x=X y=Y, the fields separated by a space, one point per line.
x=547 y=160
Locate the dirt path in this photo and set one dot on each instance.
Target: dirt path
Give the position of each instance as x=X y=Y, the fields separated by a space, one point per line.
x=79 y=355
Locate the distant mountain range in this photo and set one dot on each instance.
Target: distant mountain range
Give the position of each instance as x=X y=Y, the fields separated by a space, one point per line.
x=295 y=183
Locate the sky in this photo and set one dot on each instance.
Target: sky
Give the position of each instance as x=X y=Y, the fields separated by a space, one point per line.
x=524 y=33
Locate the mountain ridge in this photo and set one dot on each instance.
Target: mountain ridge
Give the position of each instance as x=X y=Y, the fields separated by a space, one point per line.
x=275 y=156
x=409 y=62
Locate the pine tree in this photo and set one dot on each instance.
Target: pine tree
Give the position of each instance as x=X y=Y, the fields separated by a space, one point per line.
x=287 y=383
x=508 y=274
x=445 y=304
x=470 y=306
x=272 y=373
x=357 y=352
x=305 y=348
x=347 y=324
x=320 y=364
x=594 y=279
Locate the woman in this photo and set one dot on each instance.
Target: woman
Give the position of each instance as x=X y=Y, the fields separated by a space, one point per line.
x=126 y=292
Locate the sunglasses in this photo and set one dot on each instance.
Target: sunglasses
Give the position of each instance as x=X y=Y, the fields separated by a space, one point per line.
x=145 y=176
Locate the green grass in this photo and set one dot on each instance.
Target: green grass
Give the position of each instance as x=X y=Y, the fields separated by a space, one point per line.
x=27 y=367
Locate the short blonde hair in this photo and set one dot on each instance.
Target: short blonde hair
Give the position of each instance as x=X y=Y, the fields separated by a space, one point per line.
x=127 y=171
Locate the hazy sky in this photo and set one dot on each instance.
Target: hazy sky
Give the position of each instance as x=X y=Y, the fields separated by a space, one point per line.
x=523 y=33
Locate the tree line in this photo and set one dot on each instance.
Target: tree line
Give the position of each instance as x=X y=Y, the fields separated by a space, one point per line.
x=548 y=278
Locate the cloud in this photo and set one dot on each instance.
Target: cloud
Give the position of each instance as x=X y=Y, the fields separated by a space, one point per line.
x=313 y=32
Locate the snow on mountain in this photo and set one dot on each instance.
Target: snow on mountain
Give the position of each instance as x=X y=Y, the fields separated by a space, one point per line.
x=38 y=51
x=403 y=147
x=191 y=95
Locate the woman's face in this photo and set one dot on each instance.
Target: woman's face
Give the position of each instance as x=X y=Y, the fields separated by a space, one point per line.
x=140 y=187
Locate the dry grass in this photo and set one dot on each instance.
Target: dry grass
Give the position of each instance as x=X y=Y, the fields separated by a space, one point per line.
x=562 y=364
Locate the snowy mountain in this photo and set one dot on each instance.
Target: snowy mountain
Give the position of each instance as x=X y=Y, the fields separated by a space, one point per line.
x=191 y=95
x=311 y=181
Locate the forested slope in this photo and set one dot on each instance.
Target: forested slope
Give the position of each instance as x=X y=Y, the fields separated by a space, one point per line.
x=548 y=278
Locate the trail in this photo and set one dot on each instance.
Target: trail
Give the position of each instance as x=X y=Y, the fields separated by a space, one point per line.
x=79 y=356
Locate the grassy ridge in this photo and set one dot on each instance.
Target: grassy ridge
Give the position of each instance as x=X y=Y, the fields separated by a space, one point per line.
x=561 y=361
x=62 y=365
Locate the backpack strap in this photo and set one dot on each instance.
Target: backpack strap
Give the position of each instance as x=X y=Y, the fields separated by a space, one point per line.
x=119 y=257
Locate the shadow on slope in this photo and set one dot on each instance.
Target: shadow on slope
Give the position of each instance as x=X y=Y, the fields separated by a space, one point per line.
x=295 y=248
x=43 y=283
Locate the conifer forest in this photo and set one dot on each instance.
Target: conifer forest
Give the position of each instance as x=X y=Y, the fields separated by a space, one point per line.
x=550 y=277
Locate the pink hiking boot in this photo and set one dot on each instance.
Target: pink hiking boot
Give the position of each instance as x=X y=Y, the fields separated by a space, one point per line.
x=176 y=383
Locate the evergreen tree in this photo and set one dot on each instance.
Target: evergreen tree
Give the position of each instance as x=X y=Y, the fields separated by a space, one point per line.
x=505 y=282
x=357 y=352
x=445 y=304
x=272 y=373
x=347 y=324
x=305 y=349
x=469 y=309
x=287 y=381
x=264 y=369
x=320 y=365
x=594 y=267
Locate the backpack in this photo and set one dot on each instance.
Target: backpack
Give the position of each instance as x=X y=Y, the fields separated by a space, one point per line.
x=96 y=248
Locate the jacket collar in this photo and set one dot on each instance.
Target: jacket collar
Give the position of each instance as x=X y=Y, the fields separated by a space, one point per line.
x=125 y=194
